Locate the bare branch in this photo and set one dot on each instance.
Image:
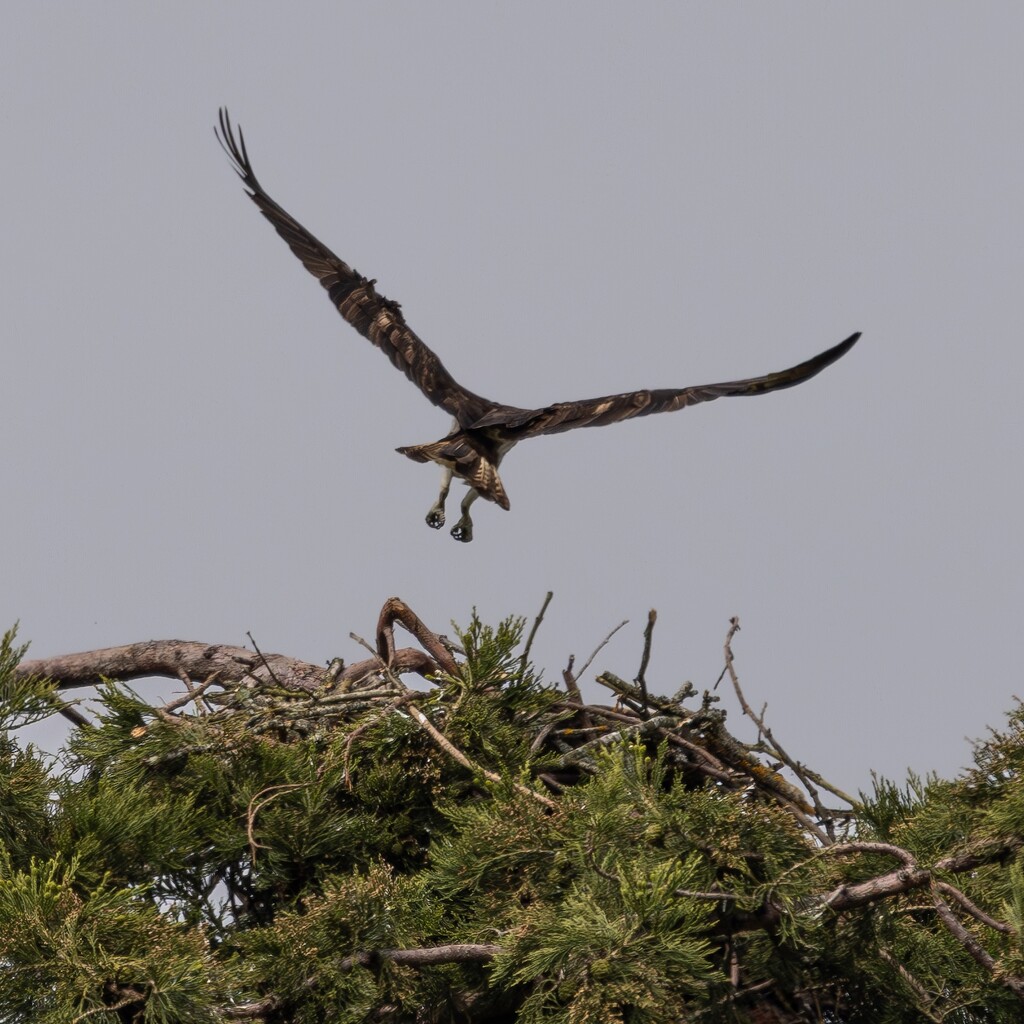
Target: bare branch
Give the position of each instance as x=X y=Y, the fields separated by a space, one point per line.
x=775 y=748
x=974 y=910
x=925 y=997
x=597 y=650
x=641 y=680
x=525 y=658
x=169 y=658
x=909 y=876
x=978 y=953
x=446 y=745
x=75 y=716
x=569 y=678
x=254 y=808
x=256 y=648
x=194 y=692
x=396 y=610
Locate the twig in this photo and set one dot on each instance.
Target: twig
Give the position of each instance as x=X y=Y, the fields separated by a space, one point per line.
x=641 y=681
x=186 y=680
x=776 y=748
x=366 y=644
x=194 y=692
x=597 y=650
x=75 y=716
x=446 y=745
x=598 y=712
x=525 y=658
x=252 y=811
x=734 y=628
x=266 y=664
x=571 y=686
x=916 y=987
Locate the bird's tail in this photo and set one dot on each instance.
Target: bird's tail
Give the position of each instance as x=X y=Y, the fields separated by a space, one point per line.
x=465 y=462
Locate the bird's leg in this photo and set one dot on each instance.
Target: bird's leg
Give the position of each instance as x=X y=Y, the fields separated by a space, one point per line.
x=435 y=517
x=463 y=529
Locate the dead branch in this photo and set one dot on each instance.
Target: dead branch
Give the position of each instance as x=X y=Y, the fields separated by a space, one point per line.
x=641 y=679
x=170 y=658
x=597 y=650
x=926 y=998
x=973 y=909
x=254 y=809
x=524 y=660
x=910 y=876
x=774 y=748
x=980 y=955
x=396 y=610
x=446 y=745
x=569 y=678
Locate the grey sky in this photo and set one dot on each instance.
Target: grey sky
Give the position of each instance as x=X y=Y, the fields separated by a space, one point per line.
x=569 y=200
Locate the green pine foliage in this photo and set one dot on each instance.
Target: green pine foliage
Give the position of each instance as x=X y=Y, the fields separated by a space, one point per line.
x=268 y=854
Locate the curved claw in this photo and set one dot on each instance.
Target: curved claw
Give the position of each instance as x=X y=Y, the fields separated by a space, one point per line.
x=435 y=518
x=463 y=531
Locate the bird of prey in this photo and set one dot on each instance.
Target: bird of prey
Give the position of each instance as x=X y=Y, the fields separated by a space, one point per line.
x=482 y=431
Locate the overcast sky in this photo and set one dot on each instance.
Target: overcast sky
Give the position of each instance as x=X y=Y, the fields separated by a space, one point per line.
x=569 y=200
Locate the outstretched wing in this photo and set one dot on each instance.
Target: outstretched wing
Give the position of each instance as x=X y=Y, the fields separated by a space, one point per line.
x=597 y=412
x=371 y=314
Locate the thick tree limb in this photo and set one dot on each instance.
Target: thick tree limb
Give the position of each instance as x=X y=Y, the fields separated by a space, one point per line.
x=396 y=610
x=172 y=658
x=910 y=876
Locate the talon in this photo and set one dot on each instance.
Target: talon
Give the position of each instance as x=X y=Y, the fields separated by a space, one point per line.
x=463 y=532
x=435 y=518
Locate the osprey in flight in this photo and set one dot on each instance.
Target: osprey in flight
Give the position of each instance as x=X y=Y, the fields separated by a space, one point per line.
x=482 y=431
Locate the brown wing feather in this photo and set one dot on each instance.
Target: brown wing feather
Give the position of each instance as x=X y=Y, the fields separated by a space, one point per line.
x=371 y=314
x=597 y=412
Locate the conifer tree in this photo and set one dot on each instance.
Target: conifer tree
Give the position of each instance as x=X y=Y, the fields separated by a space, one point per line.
x=290 y=843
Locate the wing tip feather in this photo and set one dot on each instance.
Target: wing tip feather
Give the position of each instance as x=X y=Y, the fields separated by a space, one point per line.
x=235 y=148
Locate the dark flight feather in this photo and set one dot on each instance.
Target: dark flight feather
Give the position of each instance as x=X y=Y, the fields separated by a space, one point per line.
x=599 y=412
x=375 y=317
